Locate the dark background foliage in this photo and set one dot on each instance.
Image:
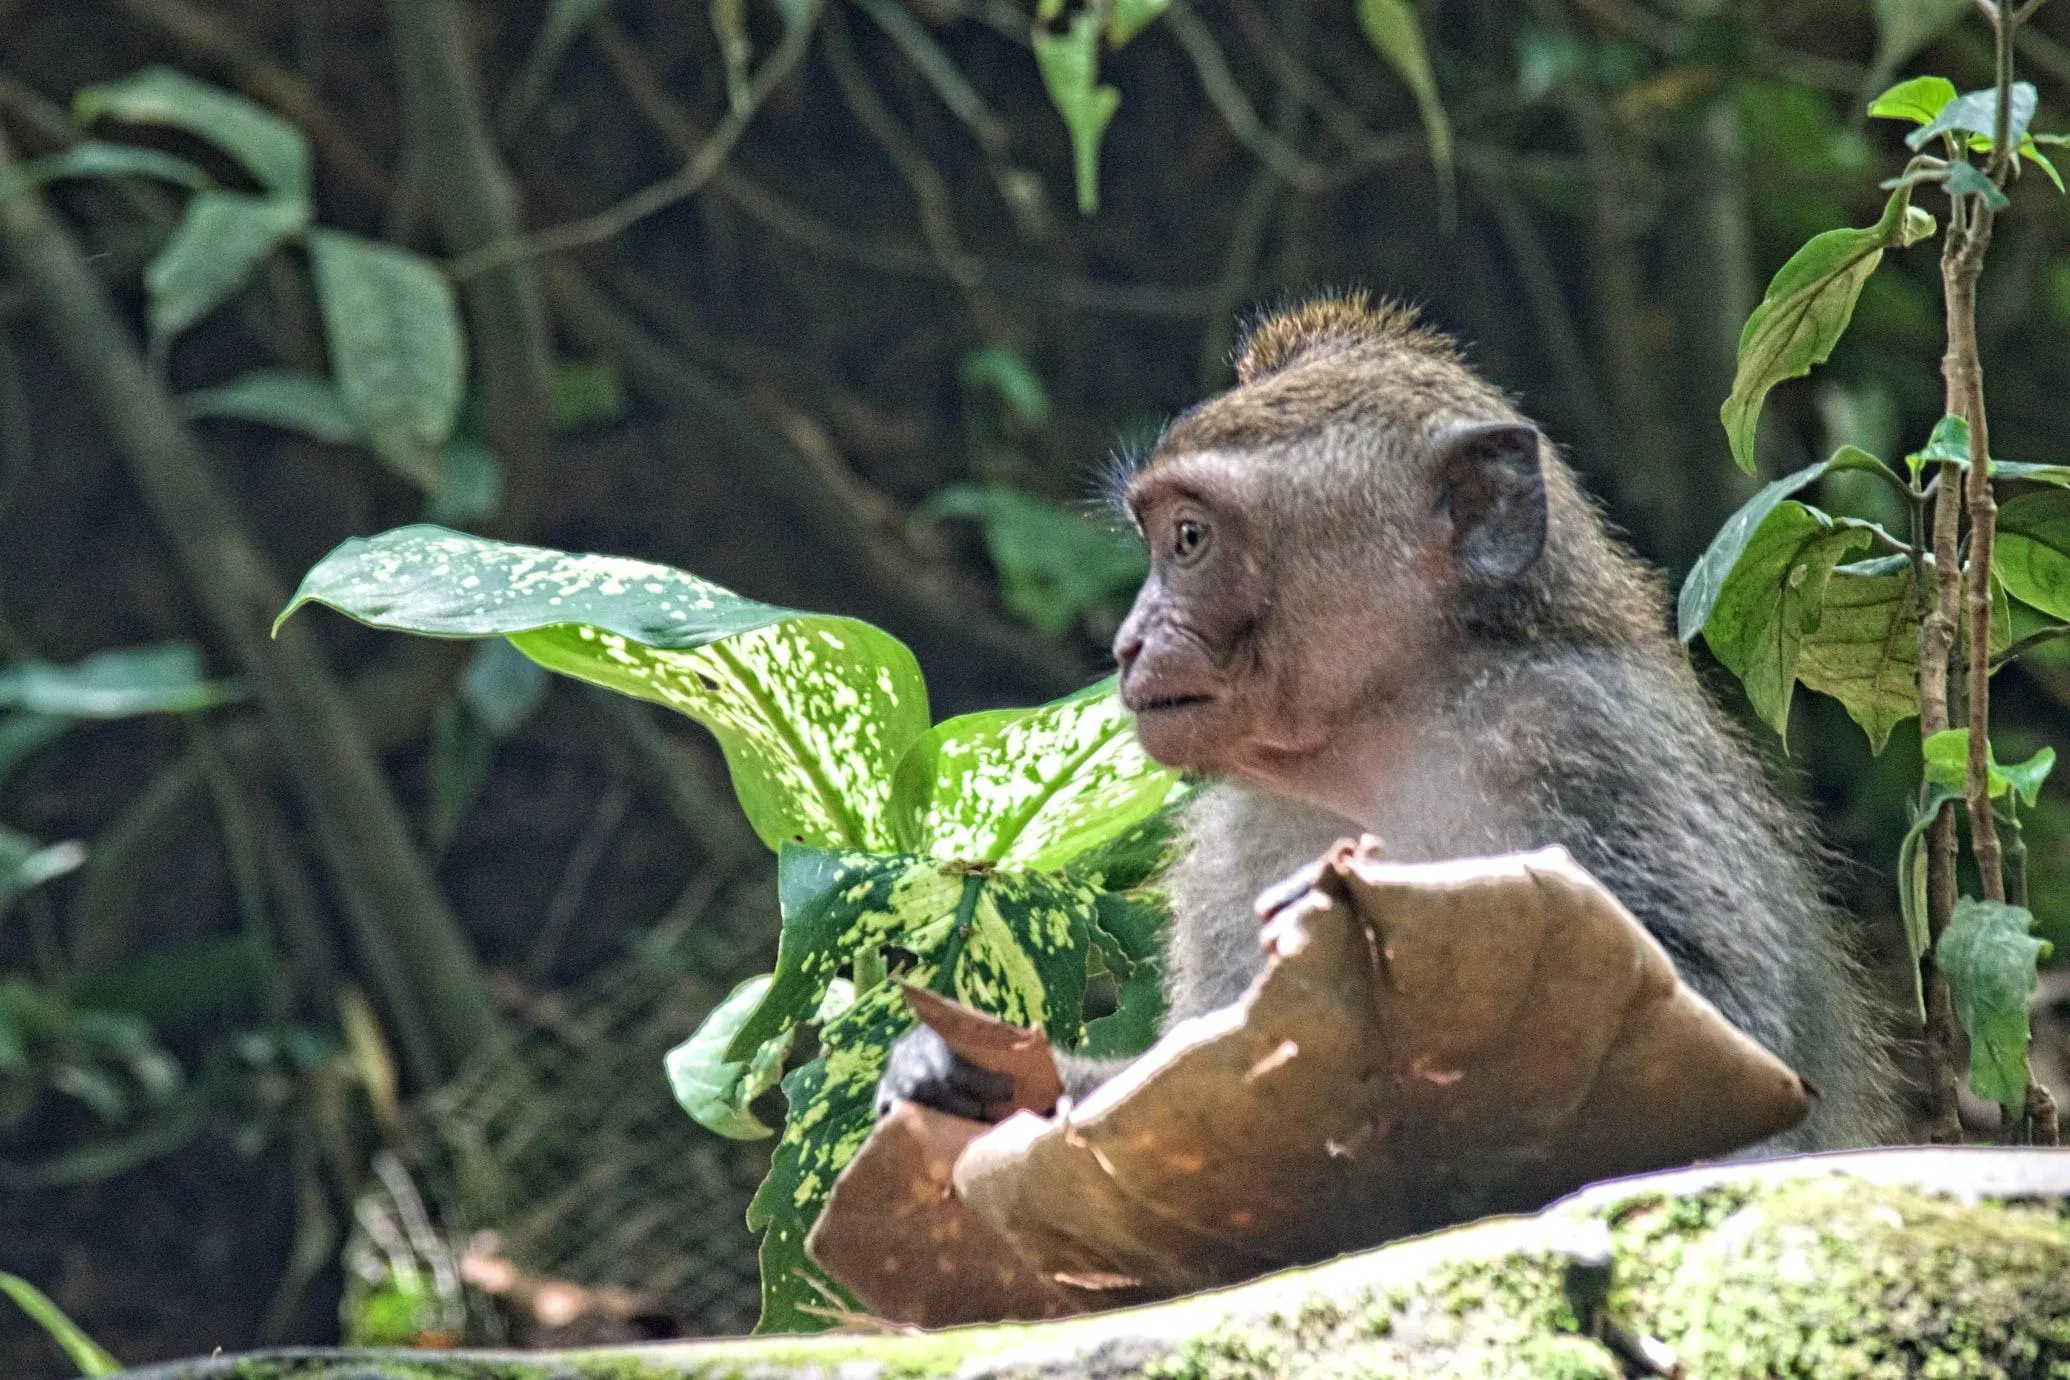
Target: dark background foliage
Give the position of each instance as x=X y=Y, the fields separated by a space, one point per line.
x=830 y=332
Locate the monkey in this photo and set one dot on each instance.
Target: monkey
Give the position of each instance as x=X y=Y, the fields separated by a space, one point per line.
x=1379 y=602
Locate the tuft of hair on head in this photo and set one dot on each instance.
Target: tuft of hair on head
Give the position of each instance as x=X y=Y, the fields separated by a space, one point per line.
x=1110 y=480
x=1329 y=325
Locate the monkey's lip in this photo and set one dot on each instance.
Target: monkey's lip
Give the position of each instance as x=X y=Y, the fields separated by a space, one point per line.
x=1167 y=704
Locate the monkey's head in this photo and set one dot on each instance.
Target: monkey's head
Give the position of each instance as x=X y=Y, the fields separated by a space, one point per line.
x=1355 y=517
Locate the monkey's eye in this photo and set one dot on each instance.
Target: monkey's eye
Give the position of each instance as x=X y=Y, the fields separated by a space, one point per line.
x=1189 y=539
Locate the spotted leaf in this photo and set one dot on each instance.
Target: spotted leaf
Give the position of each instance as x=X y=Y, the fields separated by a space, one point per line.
x=812 y=711
x=1036 y=787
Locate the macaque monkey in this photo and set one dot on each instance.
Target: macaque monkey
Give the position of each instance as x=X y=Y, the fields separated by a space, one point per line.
x=1379 y=603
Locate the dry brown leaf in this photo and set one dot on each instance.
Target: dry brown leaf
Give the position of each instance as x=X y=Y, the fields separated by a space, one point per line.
x=1428 y=1043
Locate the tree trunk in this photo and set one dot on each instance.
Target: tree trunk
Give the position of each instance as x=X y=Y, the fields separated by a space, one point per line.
x=1834 y=1265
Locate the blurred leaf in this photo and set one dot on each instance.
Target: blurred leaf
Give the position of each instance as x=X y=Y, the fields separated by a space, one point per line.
x=812 y=711
x=308 y=403
x=2032 y=555
x=79 y=1348
x=716 y=1091
x=26 y=864
x=396 y=348
x=23 y=733
x=1772 y=598
x=587 y=395
x=1988 y=954
x=1032 y=787
x=1917 y=100
x=1127 y=18
x=1053 y=563
x=1006 y=373
x=115 y=684
x=502 y=686
x=200 y=979
x=1903 y=27
x=97 y=158
x=470 y=484
x=1805 y=311
x=565 y=21
x=1069 y=63
x=220 y=240
x=270 y=148
x=1392 y=28
x=1976 y=112
x=1707 y=577
x=458 y=768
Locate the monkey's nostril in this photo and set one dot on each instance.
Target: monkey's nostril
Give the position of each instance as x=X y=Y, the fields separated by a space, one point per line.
x=1127 y=647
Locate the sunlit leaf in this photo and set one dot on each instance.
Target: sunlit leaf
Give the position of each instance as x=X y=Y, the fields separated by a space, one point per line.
x=26 y=864
x=164 y=679
x=1772 y=599
x=2032 y=554
x=270 y=148
x=1128 y=18
x=716 y=1091
x=812 y=711
x=1805 y=311
x=1392 y=27
x=1946 y=757
x=220 y=240
x=1989 y=954
x=1917 y=100
x=97 y=158
x=308 y=403
x=1034 y=787
x=1707 y=577
x=1070 y=66
x=396 y=347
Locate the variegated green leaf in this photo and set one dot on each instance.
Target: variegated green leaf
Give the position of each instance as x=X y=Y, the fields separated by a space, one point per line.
x=832 y=1103
x=1034 y=787
x=812 y=711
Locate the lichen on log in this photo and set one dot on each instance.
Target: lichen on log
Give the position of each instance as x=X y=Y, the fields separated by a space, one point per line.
x=1936 y=1262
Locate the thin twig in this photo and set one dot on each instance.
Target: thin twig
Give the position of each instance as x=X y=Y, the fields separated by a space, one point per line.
x=1211 y=66
x=685 y=181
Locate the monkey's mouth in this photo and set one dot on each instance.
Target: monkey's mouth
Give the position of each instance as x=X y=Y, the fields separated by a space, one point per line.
x=1165 y=703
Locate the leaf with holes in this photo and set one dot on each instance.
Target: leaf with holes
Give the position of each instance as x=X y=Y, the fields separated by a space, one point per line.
x=220 y=240
x=812 y=711
x=1989 y=955
x=270 y=148
x=1070 y=67
x=1773 y=599
x=1036 y=787
x=1707 y=577
x=1805 y=311
x=397 y=352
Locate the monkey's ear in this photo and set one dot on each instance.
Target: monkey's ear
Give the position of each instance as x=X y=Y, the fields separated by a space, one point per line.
x=1494 y=490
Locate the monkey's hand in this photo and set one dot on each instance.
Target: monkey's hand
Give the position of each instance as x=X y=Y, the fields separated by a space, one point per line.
x=922 y=1068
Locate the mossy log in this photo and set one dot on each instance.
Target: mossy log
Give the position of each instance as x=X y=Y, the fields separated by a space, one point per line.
x=1919 y=1262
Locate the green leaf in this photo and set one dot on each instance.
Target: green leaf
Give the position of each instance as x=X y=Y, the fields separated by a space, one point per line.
x=1989 y=954
x=1053 y=563
x=1946 y=757
x=308 y=403
x=115 y=684
x=97 y=158
x=1772 y=599
x=502 y=686
x=2032 y=553
x=1976 y=112
x=1034 y=787
x=1707 y=577
x=1911 y=871
x=470 y=484
x=203 y=978
x=1949 y=444
x=1128 y=930
x=587 y=395
x=1903 y=27
x=812 y=711
x=271 y=149
x=716 y=1091
x=1965 y=179
x=1805 y=311
x=220 y=240
x=1006 y=373
x=23 y=733
x=1917 y=100
x=1128 y=18
x=2035 y=156
x=1865 y=650
x=79 y=1348
x=1070 y=63
x=396 y=347
x=26 y=864
x=1394 y=31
